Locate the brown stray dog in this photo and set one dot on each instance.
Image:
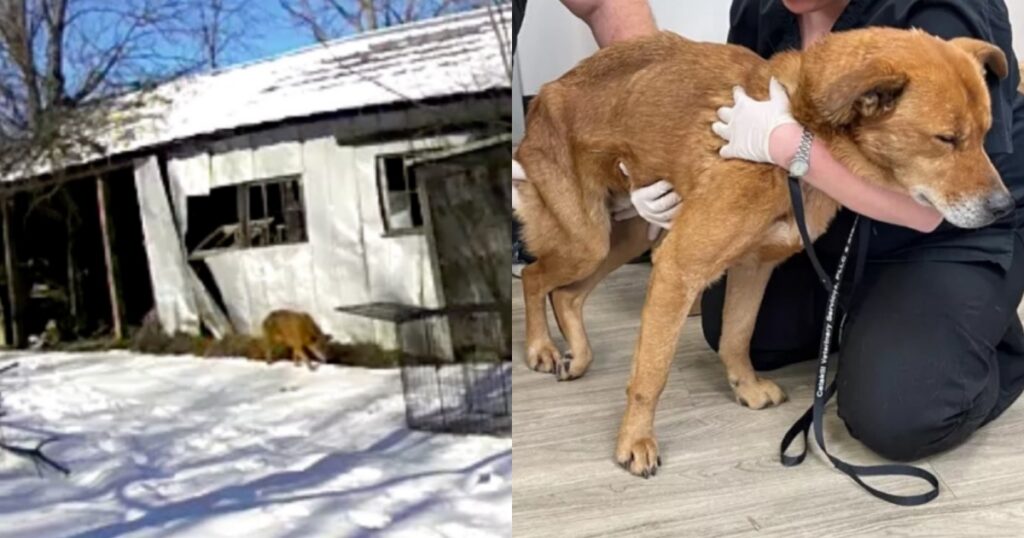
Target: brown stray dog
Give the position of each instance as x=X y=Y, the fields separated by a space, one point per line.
x=298 y=332
x=900 y=108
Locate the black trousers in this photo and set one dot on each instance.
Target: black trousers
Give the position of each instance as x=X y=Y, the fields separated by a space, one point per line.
x=930 y=352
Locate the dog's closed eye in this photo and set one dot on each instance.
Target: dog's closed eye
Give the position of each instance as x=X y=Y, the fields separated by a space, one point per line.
x=948 y=139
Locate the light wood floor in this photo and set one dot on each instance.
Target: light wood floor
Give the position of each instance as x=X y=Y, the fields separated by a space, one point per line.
x=721 y=475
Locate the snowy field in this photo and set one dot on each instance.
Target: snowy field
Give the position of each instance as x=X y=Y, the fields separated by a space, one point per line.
x=182 y=446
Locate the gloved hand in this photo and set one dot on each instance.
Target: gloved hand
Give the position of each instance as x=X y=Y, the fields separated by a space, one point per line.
x=658 y=204
x=748 y=124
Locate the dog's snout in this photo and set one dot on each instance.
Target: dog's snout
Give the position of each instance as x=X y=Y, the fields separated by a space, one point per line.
x=999 y=204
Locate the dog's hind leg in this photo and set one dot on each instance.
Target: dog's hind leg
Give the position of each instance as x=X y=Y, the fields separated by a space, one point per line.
x=567 y=227
x=628 y=240
x=314 y=357
x=299 y=356
x=540 y=279
x=743 y=293
x=541 y=352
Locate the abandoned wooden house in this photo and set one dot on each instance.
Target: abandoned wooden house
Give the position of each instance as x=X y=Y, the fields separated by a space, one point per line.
x=302 y=181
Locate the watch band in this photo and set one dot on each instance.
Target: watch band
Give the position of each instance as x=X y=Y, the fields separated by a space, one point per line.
x=801 y=162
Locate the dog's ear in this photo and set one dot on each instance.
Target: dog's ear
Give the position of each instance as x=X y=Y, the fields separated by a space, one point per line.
x=987 y=54
x=866 y=92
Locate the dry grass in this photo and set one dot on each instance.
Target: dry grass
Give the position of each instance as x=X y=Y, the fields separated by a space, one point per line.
x=150 y=339
x=156 y=342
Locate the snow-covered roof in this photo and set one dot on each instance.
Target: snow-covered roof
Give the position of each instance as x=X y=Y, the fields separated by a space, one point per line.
x=450 y=55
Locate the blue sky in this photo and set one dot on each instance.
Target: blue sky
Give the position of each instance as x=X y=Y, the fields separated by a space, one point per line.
x=268 y=31
x=280 y=34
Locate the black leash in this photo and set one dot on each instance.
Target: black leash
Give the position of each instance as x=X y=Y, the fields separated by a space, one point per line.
x=815 y=415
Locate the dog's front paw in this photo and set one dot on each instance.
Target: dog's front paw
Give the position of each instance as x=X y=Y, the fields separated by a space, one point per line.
x=758 y=393
x=542 y=357
x=638 y=456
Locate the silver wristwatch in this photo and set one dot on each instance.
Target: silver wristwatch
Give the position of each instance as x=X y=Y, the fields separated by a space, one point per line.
x=801 y=162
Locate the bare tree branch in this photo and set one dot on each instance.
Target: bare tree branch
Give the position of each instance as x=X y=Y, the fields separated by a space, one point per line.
x=55 y=15
x=62 y=62
x=328 y=19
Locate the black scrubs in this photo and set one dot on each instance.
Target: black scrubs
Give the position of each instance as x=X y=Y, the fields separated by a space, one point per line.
x=932 y=347
x=518 y=10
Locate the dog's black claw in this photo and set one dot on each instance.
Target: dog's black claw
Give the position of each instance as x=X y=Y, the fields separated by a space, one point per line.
x=744 y=403
x=562 y=368
x=659 y=461
x=645 y=474
x=654 y=471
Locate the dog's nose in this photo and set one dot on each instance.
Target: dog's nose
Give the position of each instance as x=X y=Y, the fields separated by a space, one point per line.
x=999 y=204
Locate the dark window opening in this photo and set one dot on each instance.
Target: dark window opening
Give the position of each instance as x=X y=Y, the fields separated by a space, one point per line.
x=249 y=215
x=399 y=201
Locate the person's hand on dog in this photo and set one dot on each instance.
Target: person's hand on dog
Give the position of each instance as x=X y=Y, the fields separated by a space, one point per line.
x=748 y=124
x=658 y=204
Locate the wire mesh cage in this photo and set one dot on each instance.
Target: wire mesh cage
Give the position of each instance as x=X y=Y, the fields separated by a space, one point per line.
x=461 y=397
x=458 y=398
x=469 y=393
x=456 y=367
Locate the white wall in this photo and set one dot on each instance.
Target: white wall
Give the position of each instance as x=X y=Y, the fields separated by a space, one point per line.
x=1016 y=9
x=552 y=40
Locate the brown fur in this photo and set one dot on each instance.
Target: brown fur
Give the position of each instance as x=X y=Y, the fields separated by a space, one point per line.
x=296 y=331
x=877 y=98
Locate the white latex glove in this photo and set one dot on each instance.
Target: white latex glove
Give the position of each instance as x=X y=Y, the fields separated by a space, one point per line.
x=748 y=124
x=658 y=204
x=518 y=174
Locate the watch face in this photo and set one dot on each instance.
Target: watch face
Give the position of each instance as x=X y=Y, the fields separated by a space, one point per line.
x=798 y=168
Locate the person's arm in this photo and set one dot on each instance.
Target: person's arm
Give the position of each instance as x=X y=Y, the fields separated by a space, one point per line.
x=614 y=20
x=856 y=194
x=764 y=131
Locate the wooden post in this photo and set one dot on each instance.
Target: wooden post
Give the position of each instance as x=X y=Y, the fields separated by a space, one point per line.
x=243 y=216
x=106 y=229
x=15 y=285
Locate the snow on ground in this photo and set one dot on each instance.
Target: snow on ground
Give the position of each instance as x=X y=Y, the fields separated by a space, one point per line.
x=182 y=446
